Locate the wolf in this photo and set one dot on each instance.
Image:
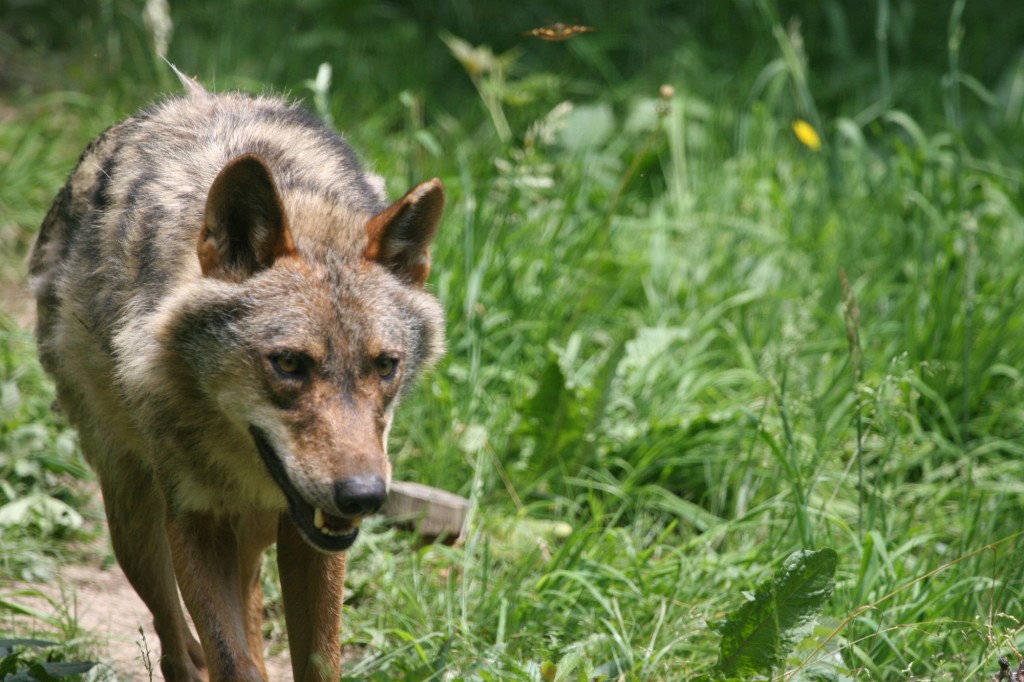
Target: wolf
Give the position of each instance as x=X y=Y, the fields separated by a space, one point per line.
x=231 y=310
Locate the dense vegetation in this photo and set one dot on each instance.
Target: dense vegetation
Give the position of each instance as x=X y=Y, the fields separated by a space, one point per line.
x=772 y=308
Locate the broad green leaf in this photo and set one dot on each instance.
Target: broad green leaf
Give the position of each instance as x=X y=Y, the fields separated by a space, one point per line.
x=757 y=636
x=8 y=645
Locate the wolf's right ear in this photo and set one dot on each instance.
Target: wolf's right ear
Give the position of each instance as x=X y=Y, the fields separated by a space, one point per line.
x=399 y=237
x=245 y=228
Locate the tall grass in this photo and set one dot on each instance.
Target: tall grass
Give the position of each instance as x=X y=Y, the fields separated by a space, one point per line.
x=656 y=388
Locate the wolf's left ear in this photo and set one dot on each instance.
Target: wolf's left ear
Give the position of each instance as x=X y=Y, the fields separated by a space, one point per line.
x=245 y=228
x=400 y=235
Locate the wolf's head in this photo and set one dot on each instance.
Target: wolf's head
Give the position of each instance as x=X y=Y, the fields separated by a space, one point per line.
x=311 y=324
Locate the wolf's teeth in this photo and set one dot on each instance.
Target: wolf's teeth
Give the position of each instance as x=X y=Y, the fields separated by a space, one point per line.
x=318 y=518
x=320 y=523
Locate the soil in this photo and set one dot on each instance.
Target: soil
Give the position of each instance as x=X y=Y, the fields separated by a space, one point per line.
x=15 y=300
x=107 y=610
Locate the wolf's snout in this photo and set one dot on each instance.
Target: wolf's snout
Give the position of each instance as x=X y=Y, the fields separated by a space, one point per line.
x=360 y=496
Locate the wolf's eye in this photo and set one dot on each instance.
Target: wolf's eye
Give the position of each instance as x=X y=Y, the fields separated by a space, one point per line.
x=290 y=364
x=385 y=366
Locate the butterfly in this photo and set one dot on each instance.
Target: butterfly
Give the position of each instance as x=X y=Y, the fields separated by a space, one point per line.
x=558 y=31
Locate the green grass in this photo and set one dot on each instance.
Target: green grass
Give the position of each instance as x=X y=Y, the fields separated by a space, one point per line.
x=649 y=338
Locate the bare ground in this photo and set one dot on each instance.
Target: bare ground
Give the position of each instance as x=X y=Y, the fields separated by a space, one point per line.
x=15 y=300
x=106 y=607
x=107 y=610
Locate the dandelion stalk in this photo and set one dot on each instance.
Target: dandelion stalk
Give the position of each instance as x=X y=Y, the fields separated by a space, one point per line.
x=487 y=72
x=882 y=52
x=666 y=94
x=851 y=315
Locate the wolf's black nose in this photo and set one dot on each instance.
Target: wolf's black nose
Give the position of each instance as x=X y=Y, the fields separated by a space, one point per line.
x=360 y=495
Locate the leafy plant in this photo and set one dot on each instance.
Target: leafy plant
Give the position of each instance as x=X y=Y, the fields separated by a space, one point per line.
x=757 y=637
x=34 y=456
x=16 y=666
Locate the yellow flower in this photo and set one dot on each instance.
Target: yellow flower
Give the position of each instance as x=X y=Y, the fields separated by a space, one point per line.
x=806 y=133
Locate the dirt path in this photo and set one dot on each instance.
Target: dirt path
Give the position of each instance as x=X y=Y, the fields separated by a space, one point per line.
x=107 y=609
x=94 y=594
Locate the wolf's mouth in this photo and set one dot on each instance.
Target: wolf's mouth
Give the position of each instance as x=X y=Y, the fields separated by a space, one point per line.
x=322 y=530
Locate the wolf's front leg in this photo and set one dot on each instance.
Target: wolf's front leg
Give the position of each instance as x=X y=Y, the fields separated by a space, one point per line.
x=312 y=584
x=135 y=516
x=217 y=572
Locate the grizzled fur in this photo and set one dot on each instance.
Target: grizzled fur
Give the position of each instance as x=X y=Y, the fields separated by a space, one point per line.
x=231 y=310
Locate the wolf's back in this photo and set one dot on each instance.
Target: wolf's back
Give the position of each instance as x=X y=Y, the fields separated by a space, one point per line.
x=124 y=227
